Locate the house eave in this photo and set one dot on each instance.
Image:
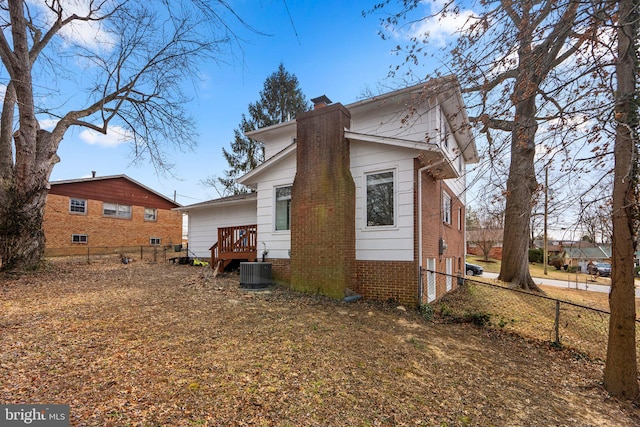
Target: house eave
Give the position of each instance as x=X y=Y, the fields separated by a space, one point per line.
x=224 y=201
x=430 y=155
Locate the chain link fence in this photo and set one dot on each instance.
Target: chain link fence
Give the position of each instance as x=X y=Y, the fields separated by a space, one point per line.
x=562 y=323
x=90 y=254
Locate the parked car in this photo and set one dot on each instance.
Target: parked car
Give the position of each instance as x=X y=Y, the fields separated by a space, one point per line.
x=473 y=269
x=602 y=269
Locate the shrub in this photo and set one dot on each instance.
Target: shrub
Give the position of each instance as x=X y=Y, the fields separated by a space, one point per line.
x=536 y=255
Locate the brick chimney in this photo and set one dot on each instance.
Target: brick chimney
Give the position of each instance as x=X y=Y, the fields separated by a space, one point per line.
x=323 y=203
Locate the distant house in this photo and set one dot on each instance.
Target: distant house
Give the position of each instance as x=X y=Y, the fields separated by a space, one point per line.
x=581 y=254
x=363 y=196
x=109 y=211
x=487 y=240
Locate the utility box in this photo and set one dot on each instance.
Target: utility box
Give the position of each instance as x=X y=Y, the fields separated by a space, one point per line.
x=255 y=275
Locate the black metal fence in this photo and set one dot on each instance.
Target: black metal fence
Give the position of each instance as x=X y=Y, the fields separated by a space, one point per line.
x=531 y=315
x=88 y=254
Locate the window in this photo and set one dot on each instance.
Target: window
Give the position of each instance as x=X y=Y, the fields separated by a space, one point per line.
x=431 y=279
x=115 y=210
x=154 y=241
x=283 y=208
x=446 y=208
x=380 y=204
x=459 y=219
x=78 y=206
x=449 y=273
x=79 y=238
x=150 y=214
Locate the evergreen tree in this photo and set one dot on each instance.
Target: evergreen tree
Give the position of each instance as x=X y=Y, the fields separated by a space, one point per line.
x=280 y=100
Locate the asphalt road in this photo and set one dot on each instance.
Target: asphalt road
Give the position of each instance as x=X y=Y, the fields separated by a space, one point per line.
x=567 y=283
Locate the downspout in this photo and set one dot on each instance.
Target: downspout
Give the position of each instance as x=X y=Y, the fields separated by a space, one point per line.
x=420 y=285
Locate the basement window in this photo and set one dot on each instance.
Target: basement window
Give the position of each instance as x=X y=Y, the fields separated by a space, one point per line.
x=380 y=203
x=79 y=238
x=283 y=208
x=115 y=210
x=78 y=206
x=155 y=241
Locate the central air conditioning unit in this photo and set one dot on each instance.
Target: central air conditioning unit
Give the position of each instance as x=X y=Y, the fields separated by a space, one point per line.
x=255 y=275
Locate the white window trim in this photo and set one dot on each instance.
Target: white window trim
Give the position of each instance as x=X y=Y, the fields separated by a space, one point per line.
x=80 y=241
x=86 y=206
x=155 y=214
x=365 y=221
x=275 y=209
x=151 y=239
x=431 y=279
x=446 y=210
x=117 y=209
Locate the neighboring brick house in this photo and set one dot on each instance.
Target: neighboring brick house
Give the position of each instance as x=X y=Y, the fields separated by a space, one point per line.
x=109 y=211
x=361 y=196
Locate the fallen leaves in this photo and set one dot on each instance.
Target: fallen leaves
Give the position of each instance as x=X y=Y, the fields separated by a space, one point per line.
x=132 y=345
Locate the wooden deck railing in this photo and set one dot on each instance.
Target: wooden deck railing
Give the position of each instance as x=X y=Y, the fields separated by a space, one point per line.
x=238 y=242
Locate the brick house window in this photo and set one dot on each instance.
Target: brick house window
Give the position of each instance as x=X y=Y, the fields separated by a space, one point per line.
x=116 y=211
x=150 y=214
x=380 y=203
x=78 y=206
x=283 y=208
x=446 y=208
x=154 y=241
x=79 y=238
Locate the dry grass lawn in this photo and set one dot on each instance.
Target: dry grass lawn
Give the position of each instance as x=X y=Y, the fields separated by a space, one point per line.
x=158 y=345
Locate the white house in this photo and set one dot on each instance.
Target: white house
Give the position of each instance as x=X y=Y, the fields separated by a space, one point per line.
x=363 y=196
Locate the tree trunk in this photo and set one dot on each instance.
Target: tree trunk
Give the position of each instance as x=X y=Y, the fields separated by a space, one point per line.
x=522 y=180
x=23 y=198
x=620 y=373
x=22 y=238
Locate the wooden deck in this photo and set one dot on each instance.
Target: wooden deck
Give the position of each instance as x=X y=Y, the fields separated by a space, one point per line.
x=237 y=242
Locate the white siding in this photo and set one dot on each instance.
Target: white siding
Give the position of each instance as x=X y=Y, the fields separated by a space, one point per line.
x=278 y=243
x=384 y=243
x=204 y=223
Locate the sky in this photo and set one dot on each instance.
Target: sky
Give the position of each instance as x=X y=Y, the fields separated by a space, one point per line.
x=328 y=45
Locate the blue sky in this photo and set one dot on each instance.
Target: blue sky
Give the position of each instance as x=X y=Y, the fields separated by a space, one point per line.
x=331 y=48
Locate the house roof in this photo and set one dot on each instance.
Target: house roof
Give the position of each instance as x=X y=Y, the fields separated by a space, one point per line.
x=446 y=93
x=223 y=201
x=111 y=177
x=591 y=253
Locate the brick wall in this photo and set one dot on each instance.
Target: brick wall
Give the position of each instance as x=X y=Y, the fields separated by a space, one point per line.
x=387 y=280
x=280 y=269
x=434 y=229
x=60 y=224
x=323 y=204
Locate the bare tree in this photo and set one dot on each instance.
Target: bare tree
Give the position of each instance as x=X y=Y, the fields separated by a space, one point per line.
x=484 y=226
x=620 y=373
x=523 y=65
x=132 y=68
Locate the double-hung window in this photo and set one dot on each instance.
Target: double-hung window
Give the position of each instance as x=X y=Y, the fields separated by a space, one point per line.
x=78 y=206
x=380 y=199
x=116 y=211
x=446 y=208
x=283 y=208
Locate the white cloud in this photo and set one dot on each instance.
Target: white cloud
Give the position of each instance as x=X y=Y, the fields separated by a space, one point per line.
x=48 y=124
x=89 y=34
x=115 y=136
x=440 y=27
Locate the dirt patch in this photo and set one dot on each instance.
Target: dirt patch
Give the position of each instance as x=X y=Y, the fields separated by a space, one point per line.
x=142 y=344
